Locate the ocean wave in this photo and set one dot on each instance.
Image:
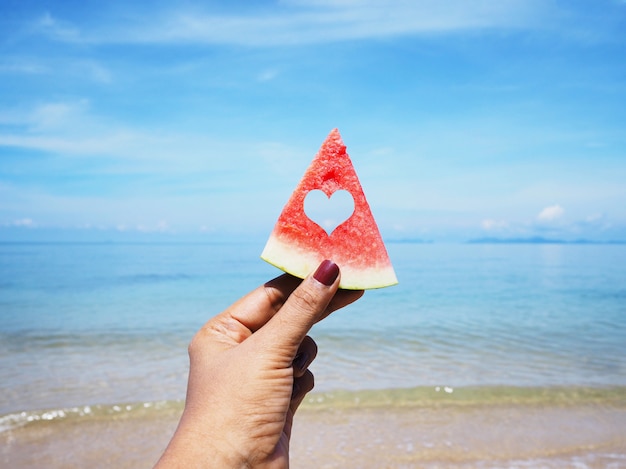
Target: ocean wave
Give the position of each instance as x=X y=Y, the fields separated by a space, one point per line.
x=16 y=420
x=447 y=395
x=422 y=396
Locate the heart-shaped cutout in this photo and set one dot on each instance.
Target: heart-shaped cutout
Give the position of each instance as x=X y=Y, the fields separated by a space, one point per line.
x=329 y=212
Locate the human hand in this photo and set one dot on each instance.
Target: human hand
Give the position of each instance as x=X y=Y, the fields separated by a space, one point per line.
x=249 y=373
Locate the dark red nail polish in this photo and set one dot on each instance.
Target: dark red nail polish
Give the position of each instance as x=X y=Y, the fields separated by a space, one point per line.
x=327 y=273
x=300 y=361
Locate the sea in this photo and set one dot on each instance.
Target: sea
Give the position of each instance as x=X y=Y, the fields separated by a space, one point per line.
x=103 y=328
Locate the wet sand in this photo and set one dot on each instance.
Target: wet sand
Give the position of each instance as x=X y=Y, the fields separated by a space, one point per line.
x=519 y=436
x=486 y=436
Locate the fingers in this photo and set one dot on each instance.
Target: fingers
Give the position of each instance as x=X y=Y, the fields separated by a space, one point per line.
x=246 y=315
x=305 y=356
x=342 y=299
x=301 y=386
x=254 y=310
x=258 y=307
x=304 y=307
x=280 y=288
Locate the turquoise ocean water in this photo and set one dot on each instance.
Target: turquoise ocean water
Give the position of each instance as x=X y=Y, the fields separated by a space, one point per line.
x=104 y=327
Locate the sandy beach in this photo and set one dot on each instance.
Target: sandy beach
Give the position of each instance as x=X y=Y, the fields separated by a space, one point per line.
x=413 y=436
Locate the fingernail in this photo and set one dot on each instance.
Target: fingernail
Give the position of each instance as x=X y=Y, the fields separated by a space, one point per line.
x=300 y=361
x=327 y=273
x=296 y=388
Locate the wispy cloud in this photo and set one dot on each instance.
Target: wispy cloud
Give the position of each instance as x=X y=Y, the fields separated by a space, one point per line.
x=551 y=213
x=484 y=114
x=81 y=69
x=304 y=22
x=551 y=223
x=55 y=28
x=70 y=129
x=83 y=142
x=22 y=66
x=267 y=75
x=494 y=225
x=22 y=223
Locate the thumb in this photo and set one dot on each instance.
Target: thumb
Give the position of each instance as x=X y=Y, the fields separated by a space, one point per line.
x=304 y=307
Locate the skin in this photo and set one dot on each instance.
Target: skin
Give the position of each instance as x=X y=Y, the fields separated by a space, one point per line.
x=248 y=375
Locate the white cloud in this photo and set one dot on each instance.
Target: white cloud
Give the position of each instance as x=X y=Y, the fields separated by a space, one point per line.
x=267 y=75
x=551 y=213
x=24 y=223
x=50 y=26
x=22 y=66
x=491 y=225
x=595 y=218
x=596 y=221
x=98 y=72
x=57 y=115
x=50 y=116
x=83 y=69
x=307 y=22
x=160 y=227
x=71 y=129
x=347 y=21
x=114 y=144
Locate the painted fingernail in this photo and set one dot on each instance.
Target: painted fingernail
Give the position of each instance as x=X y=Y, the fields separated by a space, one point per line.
x=327 y=273
x=300 y=361
x=296 y=388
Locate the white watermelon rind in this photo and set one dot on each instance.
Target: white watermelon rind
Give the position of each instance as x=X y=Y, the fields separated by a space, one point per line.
x=300 y=263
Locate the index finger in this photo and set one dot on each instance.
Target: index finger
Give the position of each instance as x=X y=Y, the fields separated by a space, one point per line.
x=259 y=306
x=256 y=308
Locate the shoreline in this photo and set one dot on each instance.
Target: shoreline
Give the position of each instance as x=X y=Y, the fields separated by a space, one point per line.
x=435 y=397
x=419 y=396
x=582 y=428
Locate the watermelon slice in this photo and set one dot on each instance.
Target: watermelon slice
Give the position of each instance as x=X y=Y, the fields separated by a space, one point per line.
x=297 y=244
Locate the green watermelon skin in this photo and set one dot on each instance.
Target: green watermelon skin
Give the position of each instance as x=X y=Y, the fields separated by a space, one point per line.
x=297 y=244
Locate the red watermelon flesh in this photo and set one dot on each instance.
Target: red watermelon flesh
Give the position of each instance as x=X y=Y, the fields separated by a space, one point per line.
x=297 y=244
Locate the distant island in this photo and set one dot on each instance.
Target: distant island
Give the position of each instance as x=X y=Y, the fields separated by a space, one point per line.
x=528 y=240
x=539 y=240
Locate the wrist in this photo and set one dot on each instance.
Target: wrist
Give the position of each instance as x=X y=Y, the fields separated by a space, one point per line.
x=188 y=449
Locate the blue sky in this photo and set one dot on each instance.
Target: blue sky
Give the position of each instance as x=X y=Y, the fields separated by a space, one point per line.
x=463 y=119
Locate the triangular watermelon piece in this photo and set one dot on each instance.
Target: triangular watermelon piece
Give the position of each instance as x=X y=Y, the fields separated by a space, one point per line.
x=297 y=244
